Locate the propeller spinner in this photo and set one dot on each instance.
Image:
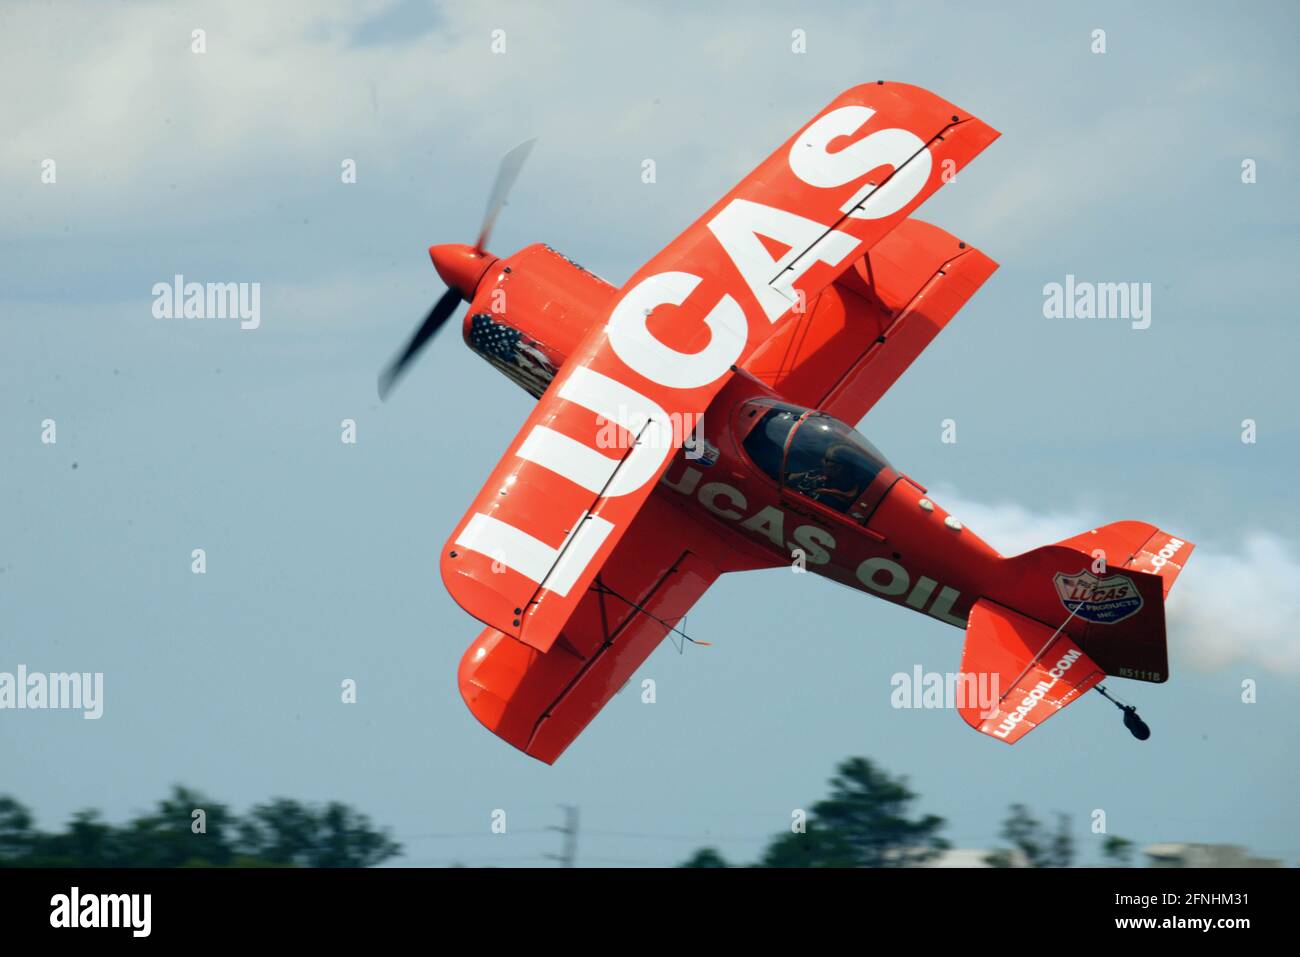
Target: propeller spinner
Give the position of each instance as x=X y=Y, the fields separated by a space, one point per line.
x=461 y=268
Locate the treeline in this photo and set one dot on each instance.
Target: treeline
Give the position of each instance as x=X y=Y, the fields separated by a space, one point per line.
x=866 y=822
x=188 y=830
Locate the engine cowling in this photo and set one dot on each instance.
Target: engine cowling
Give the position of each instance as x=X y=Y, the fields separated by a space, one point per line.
x=531 y=311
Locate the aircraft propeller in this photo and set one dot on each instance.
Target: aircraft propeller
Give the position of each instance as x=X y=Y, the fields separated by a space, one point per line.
x=460 y=267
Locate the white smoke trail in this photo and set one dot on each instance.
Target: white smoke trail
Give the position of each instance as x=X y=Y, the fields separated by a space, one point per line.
x=1245 y=606
x=1227 y=606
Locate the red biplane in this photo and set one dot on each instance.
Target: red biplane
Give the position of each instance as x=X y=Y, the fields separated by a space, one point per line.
x=697 y=421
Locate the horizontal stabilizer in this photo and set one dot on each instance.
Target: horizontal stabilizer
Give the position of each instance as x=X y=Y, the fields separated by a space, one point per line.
x=1033 y=671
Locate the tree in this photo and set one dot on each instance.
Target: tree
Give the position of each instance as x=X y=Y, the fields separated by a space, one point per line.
x=1041 y=847
x=87 y=842
x=166 y=837
x=282 y=832
x=863 y=823
x=1061 y=847
x=16 y=833
x=706 y=857
x=1117 y=850
x=287 y=832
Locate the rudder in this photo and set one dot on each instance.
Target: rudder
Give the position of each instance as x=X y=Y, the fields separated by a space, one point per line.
x=1106 y=589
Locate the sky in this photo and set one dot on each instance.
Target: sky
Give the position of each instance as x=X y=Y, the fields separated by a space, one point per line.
x=177 y=434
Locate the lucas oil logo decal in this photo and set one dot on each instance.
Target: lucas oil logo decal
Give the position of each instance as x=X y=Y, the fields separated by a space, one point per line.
x=1104 y=601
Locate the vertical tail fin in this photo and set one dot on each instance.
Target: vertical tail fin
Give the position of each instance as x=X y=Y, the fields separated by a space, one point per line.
x=1066 y=615
x=1107 y=587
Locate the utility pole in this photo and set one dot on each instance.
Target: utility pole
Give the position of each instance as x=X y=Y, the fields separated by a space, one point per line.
x=570 y=832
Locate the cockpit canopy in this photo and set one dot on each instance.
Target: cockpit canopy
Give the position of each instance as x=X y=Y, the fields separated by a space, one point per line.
x=816 y=456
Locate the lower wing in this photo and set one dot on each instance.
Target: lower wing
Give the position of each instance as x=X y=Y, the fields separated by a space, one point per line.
x=540 y=701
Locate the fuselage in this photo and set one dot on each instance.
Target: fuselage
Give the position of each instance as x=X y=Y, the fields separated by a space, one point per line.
x=807 y=491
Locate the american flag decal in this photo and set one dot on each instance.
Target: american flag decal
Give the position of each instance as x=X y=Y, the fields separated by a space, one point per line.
x=521 y=358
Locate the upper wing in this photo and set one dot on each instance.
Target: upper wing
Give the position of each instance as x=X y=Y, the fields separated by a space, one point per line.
x=866 y=328
x=539 y=701
x=574 y=478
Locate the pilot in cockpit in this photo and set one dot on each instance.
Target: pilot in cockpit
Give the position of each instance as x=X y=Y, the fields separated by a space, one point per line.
x=836 y=481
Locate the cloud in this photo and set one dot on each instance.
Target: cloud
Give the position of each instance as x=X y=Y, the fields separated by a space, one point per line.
x=153 y=141
x=1242 y=606
x=143 y=129
x=1229 y=607
x=1012 y=528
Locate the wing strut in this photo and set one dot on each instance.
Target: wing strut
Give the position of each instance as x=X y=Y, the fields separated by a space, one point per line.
x=601 y=588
